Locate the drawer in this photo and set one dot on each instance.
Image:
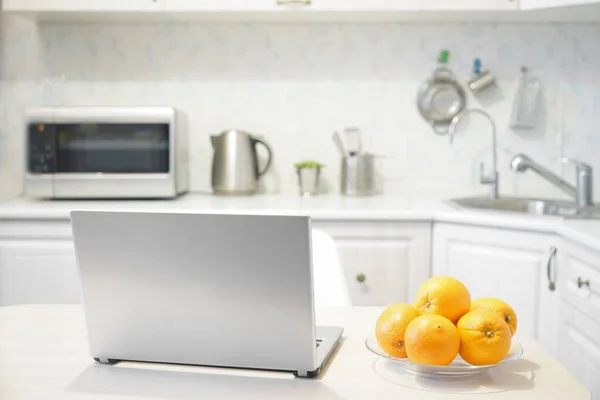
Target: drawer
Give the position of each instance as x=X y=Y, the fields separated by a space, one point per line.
x=579 y=346
x=579 y=279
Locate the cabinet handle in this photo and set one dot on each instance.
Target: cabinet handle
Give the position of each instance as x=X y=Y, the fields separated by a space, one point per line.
x=291 y=2
x=582 y=282
x=360 y=278
x=551 y=280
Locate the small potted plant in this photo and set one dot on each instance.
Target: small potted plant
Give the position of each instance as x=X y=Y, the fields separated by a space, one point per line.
x=309 y=173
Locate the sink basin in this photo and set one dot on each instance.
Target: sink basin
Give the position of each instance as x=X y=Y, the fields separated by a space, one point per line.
x=521 y=205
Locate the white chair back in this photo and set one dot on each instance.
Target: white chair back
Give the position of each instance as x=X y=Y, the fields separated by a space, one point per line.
x=330 y=286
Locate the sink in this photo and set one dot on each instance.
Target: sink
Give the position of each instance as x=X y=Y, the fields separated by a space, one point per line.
x=521 y=205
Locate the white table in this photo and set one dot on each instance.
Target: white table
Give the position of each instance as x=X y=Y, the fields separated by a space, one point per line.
x=44 y=355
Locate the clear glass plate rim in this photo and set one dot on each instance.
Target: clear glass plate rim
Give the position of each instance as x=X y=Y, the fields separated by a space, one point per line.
x=466 y=368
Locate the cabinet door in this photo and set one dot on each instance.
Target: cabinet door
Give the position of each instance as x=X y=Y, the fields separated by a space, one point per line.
x=579 y=347
x=38 y=272
x=505 y=264
x=283 y=5
x=365 y=5
x=470 y=5
x=579 y=280
x=221 y=5
x=375 y=270
x=383 y=263
x=83 y=5
x=539 y=4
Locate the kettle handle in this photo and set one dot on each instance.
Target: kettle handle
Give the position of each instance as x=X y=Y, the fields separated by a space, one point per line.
x=255 y=141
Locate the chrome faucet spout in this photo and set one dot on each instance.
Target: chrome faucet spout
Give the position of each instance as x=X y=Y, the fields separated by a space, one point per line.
x=492 y=180
x=582 y=192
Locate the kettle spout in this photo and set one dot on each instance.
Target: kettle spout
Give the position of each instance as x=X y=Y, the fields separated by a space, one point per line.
x=213 y=140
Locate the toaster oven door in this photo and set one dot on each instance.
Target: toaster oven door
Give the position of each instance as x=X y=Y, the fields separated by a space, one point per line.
x=113 y=160
x=112 y=148
x=103 y=160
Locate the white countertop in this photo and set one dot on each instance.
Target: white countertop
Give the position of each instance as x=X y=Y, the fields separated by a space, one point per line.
x=318 y=207
x=326 y=207
x=44 y=355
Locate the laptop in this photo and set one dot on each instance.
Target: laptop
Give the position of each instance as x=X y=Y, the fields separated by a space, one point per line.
x=202 y=289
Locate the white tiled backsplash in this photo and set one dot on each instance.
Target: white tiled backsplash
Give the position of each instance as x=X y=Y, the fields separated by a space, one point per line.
x=295 y=83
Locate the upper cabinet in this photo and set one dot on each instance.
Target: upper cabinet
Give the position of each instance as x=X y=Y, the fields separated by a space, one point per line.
x=360 y=5
x=220 y=6
x=291 y=5
x=77 y=6
x=540 y=4
x=308 y=10
x=470 y=5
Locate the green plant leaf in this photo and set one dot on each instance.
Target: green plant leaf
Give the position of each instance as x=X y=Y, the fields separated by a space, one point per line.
x=308 y=164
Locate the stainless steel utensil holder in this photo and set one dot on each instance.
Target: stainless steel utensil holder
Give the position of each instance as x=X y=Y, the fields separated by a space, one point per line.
x=358 y=175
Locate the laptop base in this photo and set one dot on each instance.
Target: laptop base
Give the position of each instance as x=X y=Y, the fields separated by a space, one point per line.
x=108 y=361
x=327 y=342
x=299 y=374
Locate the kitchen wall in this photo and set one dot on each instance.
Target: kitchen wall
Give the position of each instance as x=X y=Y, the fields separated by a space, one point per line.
x=295 y=83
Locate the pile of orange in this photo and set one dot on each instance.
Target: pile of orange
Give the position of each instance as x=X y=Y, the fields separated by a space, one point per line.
x=443 y=322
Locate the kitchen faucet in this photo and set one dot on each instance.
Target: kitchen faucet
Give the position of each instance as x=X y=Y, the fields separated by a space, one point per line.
x=582 y=192
x=483 y=179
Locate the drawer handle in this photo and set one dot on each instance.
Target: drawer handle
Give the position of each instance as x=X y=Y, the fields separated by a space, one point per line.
x=551 y=280
x=360 y=278
x=291 y=2
x=582 y=282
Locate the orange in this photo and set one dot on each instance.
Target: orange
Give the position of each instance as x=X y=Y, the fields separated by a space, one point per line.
x=390 y=328
x=431 y=339
x=500 y=308
x=444 y=296
x=484 y=337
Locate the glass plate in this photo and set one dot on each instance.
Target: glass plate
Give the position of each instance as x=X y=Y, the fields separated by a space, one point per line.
x=458 y=367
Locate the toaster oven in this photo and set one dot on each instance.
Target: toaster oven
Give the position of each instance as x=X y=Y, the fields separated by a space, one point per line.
x=105 y=152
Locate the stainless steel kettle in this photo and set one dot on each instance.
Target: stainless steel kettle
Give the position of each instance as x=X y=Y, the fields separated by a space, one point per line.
x=235 y=167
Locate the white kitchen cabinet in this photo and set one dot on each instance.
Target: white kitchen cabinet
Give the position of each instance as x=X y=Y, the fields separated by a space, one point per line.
x=579 y=314
x=384 y=262
x=307 y=10
x=579 y=280
x=517 y=267
x=470 y=5
x=221 y=6
x=84 y=5
x=291 y=5
x=579 y=346
x=35 y=271
x=366 y=5
x=540 y=4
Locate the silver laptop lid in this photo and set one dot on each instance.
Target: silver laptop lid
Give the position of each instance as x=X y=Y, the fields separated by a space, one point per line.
x=225 y=290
